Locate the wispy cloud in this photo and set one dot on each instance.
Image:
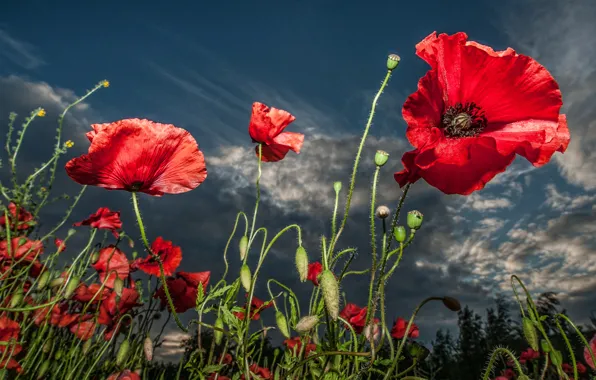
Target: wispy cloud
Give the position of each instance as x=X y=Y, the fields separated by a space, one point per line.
x=19 y=52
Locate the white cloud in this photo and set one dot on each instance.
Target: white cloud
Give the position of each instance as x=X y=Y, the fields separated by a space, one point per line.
x=565 y=202
x=18 y=52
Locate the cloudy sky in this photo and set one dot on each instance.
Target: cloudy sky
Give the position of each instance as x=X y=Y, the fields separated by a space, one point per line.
x=200 y=67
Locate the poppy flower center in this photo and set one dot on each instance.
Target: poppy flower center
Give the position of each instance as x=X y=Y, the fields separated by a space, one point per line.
x=136 y=186
x=463 y=120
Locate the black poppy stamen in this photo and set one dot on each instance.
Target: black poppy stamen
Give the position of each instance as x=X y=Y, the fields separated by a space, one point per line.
x=463 y=120
x=136 y=185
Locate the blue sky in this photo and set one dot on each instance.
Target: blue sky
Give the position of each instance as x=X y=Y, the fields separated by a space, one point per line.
x=200 y=67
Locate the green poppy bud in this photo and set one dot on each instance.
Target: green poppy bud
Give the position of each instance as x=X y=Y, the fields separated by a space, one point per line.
x=243 y=246
x=282 y=324
x=43 y=370
x=414 y=219
x=16 y=299
x=330 y=289
x=217 y=334
x=71 y=287
x=43 y=280
x=58 y=355
x=544 y=346
x=337 y=186
x=56 y=282
x=381 y=158
x=556 y=357
x=530 y=333
x=71 y=232
x=418 y=351
x=94 y=257
x=87 y=346
x=305 y=324
x=245 y=277
x=399 y=233
x=392 y=61
x=47 y=346
x=118 y=286
x=122 y=354
x=302 y=263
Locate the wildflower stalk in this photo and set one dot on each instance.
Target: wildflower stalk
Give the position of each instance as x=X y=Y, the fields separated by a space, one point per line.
x=162 y=276
x=501 y=351
x=579 y=334
x=396 y=216
x=373 y=244
x=13 y=160
x=569 y=348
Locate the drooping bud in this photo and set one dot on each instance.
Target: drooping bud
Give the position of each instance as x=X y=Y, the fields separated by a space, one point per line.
x=337 y=186
x=118 y=286
x=218 y=334
x=122 y=354
x=43 y=370
x=544 y=346
x=530 y=333
x=148 y=348
x=381 y=158
x=43 y=280
x=71 y=287
x=451 y=303
x=71 y=232
x=16 y=299
x=399 y=233
x=56 y=282
x=245 y=277
x=94 y=257
x=242 y=246
x=282 y=324
x=392 y=61
x=330 y=289
x=305 y=324
x=383 y=212
x=302 y=263
x=414 y=219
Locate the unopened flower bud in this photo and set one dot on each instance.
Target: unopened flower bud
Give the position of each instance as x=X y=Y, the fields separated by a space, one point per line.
x=302 y=263
x=56 y=282
x=87 y=346
x=530 y=333
x=94 y=257
x=16 y=299
x=58 y=354
x=451 y=303
x=392 y=61
x=218 y=334
x=131 y=243
x=43 y=280
x=544 y=345
x=556 y=357
x=245 y=277
x=43 y=370
x=242 y=246
x=71 y=287
x=282 y=324
x=399 y=233
x=381 y=158
x=305 y=324
x=71 y=231
x=118 y=286
x=148 y=348
x=337 y=186
x=135 y=254
x=330 y=289
x=414 y=219
x=47 y=346
x=383 y=212
x=122 y=354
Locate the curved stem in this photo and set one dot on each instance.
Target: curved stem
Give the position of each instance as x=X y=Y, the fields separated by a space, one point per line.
x=569 y=347
x=579 y=333
x=493 y=358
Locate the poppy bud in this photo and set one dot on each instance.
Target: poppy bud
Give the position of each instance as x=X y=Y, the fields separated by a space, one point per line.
x=71 y=287
x=381 y=158
x=245 y=277
x=530 y=333
x=305 y=324
x=148 y=348
x=217 y=334
x=45 y=366
x=302 y=263
x=87 y=346
x=22 y=241
x=47 y=347
x=131 y=243
x=556 y=357
x=544 y=345
x=414 y=219
x=242 y=246
x=383 y=212
x=58 y=354
x=418 y=351
x=399 y=233
x=337 y=186
x=94 y=257
x=134 y=254
x=330 y=289
x=392 y=61
x=16 y=299
x=122 y=354
x=118 y=286
x=56 y=282
x=282 y=324
x=71 y=231
x=43 y=280
x=451 y=303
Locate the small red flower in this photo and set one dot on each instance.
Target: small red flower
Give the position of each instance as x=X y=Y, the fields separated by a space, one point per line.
x=262 y=373
x=124 y=375
x=355 y=315
x=314 y=270
x=113 y=263
x=103 y=218
x=59 y=243
x=295 y=345
x=141 y=156
x=568 y=368
x=183 y=289
x=9 y=336
x=169 y=254
x=267 y=126
x=256 y=307
x=474 y=111
x=587 y=356
x=23 y=222
x=399 y=329
x=84 y=329
x=528 y=355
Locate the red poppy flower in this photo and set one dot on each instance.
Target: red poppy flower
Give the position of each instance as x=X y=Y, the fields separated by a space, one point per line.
x=124 y=375
x=295 y=345
x=355 y=315
x=256 y=307
x=474 y=111
x=93 y=293
x=267 y=126
x=262 y=373
x=568 y=368
x=399 y=329
x=141 y=156
x=84 y=329
x=184 y=290
x=169 y=254
x=103 y=218
x=527 y=355
x=314 y=270
x=587 y=356
x=9 y=336
x=111 y=262
x=114 y=307
x=21 y=249
x=227 y=359
x=59 y=243
x=23 y=221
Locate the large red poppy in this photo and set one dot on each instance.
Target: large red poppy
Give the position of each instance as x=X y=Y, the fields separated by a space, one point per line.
x=113 y=263
x=141 y=156
x=170 y=256
x=474 y=111
x=267 y=128
x=184 y=289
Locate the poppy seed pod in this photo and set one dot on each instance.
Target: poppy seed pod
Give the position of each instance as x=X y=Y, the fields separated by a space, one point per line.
x=71 y=287
x=302 y=263
x=305 y=324
x=330 y=289
x=414 y=219
x=399 y=233
x=243 y=246
x=381 y=158
x=122 y=354
x=392 y=61
x=530 y=333
x=217 y=334
x=245 y=277
x=282 y=324
x=337 y=186
x=383 y=212
x=148 y=348
x=451 y=303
